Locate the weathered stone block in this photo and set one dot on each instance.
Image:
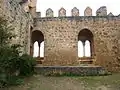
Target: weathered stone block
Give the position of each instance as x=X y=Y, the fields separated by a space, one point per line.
x=88 y=12
x=70 y=70
x=75 y=12
x=102 y=11
x=110 y=14
x=49 y=12
x=62 y=12
x=38 y=14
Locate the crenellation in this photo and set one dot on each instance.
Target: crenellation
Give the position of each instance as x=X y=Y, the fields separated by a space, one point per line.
x=62 y=12
x=49 y=12
x=102 y=11
x=88 y=12
x=75 y=12
x=110 y=14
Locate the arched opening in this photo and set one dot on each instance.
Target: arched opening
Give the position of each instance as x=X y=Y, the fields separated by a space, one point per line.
x=85 y=44
x=38 y=44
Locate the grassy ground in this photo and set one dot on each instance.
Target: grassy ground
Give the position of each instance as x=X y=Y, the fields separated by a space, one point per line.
x=38 y=82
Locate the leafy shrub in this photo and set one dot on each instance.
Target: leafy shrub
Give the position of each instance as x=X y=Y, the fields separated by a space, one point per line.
x=9 y=59
x=11 y=63
x=27 y=64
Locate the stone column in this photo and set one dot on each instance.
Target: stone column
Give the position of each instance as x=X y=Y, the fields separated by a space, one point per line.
x=83 y=49
x=39 y=50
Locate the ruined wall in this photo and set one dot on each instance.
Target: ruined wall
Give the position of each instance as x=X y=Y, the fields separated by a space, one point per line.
x=61 y=37
x=21 y=21
x=61 y=33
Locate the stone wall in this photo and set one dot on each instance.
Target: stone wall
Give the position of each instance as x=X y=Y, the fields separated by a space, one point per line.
x=20 y=21
x=61 y=33
x=61 y=39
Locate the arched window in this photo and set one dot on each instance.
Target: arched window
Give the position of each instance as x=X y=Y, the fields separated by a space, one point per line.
x=85 y=43
x=39 y=48
x=80 y=49
x=36 y=50
x=42 y=49
x=87 y=49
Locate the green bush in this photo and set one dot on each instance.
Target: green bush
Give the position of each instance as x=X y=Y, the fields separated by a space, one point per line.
x=12 y=65
x=27 y=64
x=9 y=59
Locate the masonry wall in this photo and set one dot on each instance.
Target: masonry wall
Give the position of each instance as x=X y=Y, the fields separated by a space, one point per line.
x=61 y=39
x=20 y=21
x=61 y=35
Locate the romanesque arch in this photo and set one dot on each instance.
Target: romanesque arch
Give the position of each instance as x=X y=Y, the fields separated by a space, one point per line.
x=85 y=44
x=37 y=44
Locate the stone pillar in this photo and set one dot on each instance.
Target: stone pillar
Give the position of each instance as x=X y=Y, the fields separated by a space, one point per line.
x=62 y=12
x=39 y=50
x=102 y=11
x=88 y=12
x=83 y=49
x=75 y=12
x=49 y=12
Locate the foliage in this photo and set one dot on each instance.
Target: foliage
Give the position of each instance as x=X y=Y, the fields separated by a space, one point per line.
x=5 y=32
x=27 y=64
x=9 y=59
x=12 y=65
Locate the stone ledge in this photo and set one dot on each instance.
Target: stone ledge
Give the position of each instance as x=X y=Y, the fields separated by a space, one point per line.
x=81 y=18
x=89 y=70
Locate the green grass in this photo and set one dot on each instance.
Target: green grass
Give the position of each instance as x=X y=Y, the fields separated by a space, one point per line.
x=92 y=81
x=38 y=82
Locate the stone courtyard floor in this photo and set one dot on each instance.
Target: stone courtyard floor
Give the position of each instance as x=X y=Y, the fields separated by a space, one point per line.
x=38 y=82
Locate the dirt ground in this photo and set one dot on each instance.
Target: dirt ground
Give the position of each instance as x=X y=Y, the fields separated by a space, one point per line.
x=38 y=82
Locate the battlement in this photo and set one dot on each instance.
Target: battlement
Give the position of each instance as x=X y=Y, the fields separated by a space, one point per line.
x=30 y=6
x=102 y=11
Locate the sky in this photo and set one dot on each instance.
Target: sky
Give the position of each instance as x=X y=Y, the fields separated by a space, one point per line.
x=112 y=6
